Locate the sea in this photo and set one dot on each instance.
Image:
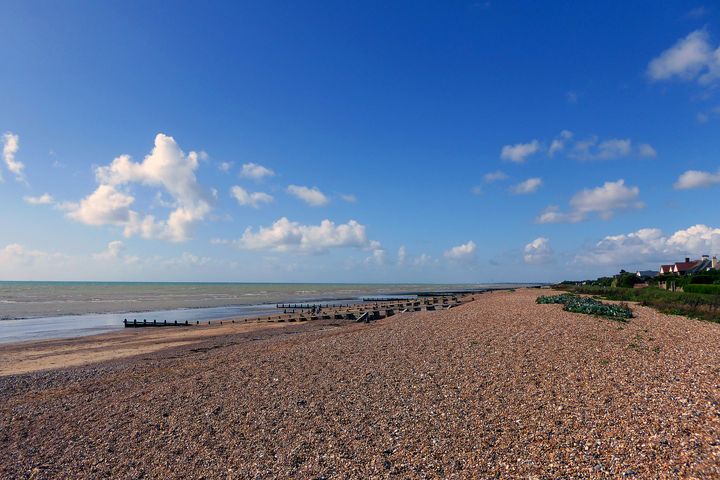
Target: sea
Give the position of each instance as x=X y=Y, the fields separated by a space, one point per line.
x=51 y=310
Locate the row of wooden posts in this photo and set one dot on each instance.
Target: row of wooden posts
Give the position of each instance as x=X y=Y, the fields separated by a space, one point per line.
x=358 y=312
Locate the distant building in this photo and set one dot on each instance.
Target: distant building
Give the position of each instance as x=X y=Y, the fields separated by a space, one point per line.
x=646 y=273
x=689 y=267
x=666 y=269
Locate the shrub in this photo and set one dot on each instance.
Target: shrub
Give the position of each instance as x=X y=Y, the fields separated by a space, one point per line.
x=702 y=288
x=702 y=279
x=603 y=282
x=627 y=280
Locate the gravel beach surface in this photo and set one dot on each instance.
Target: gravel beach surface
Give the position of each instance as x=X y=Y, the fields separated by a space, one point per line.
x=499 y=387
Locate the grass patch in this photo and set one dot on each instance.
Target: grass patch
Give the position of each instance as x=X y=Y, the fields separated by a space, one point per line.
x=689 y=304
x=706 y=289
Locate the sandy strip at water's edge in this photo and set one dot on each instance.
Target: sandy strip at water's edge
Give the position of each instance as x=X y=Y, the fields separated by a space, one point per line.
x=37 y=355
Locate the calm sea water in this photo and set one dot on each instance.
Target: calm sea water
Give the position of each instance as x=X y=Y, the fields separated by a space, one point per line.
x=40 y=310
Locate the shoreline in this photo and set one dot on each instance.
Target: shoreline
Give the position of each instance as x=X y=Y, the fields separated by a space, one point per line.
x=26 y=356
x=76 y=325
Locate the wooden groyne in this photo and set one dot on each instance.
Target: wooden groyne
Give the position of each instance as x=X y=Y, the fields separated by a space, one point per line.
x=154 y=323
x=386 y=299
x=306 y=306
x=370 y=309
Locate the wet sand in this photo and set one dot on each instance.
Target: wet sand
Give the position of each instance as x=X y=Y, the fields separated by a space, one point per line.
x=33 y=356
x=496 y=388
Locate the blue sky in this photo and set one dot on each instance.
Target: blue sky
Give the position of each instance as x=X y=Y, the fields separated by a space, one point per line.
x=380 y=141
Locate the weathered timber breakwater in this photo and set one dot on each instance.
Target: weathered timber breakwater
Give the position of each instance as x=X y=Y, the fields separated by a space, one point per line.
x=368 y=310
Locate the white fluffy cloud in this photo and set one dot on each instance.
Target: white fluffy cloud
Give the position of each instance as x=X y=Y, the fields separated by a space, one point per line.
x=538 y=251
x=166 y=167
x=603 y=200
x=115 y=248
x=607 y=198
x=16 y=255
x=461 y=252
x=114 y=251
x=646 y=150
x=11 y=145
x=697 y=179
x=558 y=144
x=422 y=260
x=553 y=214
x=225 y=166
x=377 y=255
x=14 y=252
x=105 y=206
x=254 y=199
x=44 y=199
x=519 y=152
x=285 y=235
x=691 y=58
x=494 y=176
x=255 y=171
x=650 y=245
x=349 y=197
x=401 y=255
x=312 y=196
x=404 y=259
x=592 y=149
x=528 y=186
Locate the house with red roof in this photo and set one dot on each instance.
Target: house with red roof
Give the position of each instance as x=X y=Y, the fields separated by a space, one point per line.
x=666 y=269
x=688 y=267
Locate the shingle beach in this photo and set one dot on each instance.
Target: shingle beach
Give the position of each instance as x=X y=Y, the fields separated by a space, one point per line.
x=498 y=387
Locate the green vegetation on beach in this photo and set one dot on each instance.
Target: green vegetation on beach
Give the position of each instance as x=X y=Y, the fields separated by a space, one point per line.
x=590 y=306
x=694 y=304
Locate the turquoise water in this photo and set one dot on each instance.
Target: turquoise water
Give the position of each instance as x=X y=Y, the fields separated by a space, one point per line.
x=42 y=310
